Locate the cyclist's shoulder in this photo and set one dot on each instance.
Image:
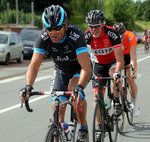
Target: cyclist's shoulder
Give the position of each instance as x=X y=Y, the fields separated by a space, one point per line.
x=44 y=35
x=74 y=33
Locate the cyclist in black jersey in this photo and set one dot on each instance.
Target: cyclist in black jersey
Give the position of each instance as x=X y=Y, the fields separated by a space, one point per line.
x=67 y=47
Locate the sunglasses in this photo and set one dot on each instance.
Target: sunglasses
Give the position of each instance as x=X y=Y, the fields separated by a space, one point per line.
x=56 y=29
x=95 y=26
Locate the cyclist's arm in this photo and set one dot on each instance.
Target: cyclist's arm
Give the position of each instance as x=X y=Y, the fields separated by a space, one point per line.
x=86 y=69
x=119 y=58
x=33 y=68
x=133 y=57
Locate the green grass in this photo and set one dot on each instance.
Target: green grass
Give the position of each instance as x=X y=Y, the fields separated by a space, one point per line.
x=143 y=25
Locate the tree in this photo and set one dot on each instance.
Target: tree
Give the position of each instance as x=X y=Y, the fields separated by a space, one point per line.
x=121 y=11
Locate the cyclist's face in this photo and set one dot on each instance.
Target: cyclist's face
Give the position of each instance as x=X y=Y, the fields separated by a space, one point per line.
x=57 y=36
x=96 y=30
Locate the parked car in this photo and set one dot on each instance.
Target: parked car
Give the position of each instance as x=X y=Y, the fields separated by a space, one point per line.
x=29 y=37
x=11 y=47
x=139 y=37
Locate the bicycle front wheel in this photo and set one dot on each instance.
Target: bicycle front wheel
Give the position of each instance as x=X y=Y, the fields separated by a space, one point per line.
x=121 y=118
x=98 y=132
x=53 y=135
x=129 y=106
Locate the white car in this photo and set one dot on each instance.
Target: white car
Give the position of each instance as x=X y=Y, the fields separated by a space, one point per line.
x=11 y=47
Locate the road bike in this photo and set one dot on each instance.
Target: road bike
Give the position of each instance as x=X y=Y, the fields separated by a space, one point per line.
x=109 y=122
x=127 y=102
x=55 y=132
x=146 y=47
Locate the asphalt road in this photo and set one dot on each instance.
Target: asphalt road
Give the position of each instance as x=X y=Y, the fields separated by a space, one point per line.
x=17 y=125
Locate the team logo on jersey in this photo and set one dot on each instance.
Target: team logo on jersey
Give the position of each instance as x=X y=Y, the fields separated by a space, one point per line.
x=112 y=35
x=103 y=51
x=74 y=36
x=54 y=49
x=66 y=58
x=66 y=49
x=44 y=36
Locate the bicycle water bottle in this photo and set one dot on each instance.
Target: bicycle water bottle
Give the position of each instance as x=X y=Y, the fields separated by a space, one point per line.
x=71 y=128
x=108 y=102
x=66 y=130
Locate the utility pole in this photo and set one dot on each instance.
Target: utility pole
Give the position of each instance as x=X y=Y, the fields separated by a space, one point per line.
x=32 y=11
x=7 y=13
x=16 y=12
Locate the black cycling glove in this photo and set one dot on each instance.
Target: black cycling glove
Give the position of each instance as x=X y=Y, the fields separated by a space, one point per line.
x=79 y=90
x=26 y=89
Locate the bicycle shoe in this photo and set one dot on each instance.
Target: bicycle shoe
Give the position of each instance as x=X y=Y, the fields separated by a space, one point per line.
x=98 y=135
x=118 y=109
x=83 y=136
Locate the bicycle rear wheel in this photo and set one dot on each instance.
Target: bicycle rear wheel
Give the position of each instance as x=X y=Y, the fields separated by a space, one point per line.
x=53 y=135
x=98 y=133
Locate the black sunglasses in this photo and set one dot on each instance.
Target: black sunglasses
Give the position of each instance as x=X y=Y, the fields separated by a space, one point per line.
x=57 y=29
x=95 y=26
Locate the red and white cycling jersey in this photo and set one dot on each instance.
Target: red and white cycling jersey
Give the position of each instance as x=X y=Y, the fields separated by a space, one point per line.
x=103 y=47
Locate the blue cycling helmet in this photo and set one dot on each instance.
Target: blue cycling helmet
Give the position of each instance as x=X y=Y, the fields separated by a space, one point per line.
x=54 y=16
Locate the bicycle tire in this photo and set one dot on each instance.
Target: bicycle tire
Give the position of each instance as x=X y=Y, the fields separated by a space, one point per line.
x=113 y=134
x=121 y=118
x=129 y=107
x=53 y=134
x=73 y=118
x=101 y=131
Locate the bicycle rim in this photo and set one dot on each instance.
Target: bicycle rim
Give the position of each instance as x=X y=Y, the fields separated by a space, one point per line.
x=114 y=132
x=53 y=135
x=129 y=107
x=96 y=130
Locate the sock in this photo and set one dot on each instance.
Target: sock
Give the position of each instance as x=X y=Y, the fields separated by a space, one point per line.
x=134 y=102
x=83 y=127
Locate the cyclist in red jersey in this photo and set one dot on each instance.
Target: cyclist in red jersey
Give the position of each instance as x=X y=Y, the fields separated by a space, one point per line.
x=129 y=42
x=106 y=52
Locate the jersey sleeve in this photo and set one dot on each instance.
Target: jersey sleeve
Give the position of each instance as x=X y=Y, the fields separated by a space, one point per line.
x=77 y=39
x=114 y=37
x=41 y=43
x=132 y=40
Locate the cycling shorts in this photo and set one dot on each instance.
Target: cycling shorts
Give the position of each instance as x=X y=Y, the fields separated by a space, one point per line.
x=101 y=69
x=60 y=81
x=126 y=59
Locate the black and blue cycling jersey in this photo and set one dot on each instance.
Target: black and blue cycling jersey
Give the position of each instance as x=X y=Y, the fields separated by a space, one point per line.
x=64 y=54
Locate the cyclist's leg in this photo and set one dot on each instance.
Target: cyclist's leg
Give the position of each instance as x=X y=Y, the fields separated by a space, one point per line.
x=118 y=109
x=60 y=82
x=81 y=115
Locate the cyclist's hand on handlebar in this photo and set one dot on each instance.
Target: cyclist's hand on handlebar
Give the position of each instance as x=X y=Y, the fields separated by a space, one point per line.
x=78 y=93
x=24 y=93
x=134 y=75
x=117 y=76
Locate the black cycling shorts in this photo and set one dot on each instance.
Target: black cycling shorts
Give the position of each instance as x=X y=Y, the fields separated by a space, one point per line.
x=101 y=69
x=126 y=59
x=60 y=81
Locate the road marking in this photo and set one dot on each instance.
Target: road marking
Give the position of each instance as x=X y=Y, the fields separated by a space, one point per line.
x=21 y=77
x=143 y=59
x=42 y=97
x=19 y=105
x=11 y=79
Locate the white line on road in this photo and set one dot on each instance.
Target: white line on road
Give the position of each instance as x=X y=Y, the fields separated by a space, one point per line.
x=18 y=105
x=143 y=58
x=41 y=97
